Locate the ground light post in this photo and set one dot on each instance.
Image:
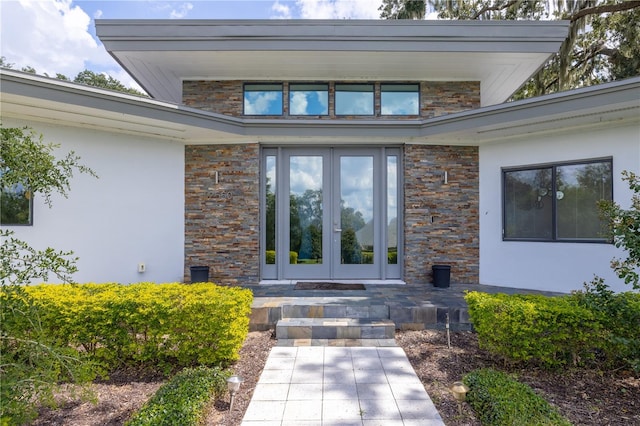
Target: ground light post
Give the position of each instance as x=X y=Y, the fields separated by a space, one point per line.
x=459 y=391
x=233 y=384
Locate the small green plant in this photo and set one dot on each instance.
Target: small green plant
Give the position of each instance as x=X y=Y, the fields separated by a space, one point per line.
x=182 y=400
x=500 y=400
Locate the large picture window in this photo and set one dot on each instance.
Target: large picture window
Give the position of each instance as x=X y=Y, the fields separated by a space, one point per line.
x=263 y=99
x=556 y=202
x=16 y=206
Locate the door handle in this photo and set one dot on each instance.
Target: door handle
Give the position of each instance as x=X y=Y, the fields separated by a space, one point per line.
x=337 y=230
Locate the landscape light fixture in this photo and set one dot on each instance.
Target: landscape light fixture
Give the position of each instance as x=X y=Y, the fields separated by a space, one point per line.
x=233 y=385
x=459 y=391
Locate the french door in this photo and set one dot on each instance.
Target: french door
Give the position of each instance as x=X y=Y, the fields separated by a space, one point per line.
x=330 y=213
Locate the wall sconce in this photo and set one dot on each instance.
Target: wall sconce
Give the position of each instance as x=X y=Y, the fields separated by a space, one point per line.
x=445 y=178
x=233 y=385
x=215 y=177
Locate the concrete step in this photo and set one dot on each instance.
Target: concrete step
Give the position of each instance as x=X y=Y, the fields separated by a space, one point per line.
x=335 y=311
x=338 y=342
x=335 y=328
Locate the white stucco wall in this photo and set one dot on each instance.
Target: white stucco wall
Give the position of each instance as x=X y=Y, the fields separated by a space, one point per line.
x=134 y=212
x=550 y=266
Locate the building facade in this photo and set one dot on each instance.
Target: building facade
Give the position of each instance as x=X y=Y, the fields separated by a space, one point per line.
x=334 y=150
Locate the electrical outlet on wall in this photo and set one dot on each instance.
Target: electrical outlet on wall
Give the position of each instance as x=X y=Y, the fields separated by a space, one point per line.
x=141 y=267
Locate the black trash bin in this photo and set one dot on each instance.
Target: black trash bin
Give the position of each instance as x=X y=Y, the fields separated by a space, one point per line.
x=199 y=274
x=441 y=275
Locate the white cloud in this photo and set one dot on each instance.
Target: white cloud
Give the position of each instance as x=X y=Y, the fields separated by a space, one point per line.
x=182 y=11
x=49 y=36
x=97 y=14
x=281 y=11
x=260 y=103
x=298 y=103
x=53 y=37
x=338 y=9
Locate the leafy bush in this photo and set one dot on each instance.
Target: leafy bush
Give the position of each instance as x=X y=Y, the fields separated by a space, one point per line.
x=182 y=400
x=619 y=314
x=500 y=400
x=157 y=325
x=31 y=360
x=551 y=331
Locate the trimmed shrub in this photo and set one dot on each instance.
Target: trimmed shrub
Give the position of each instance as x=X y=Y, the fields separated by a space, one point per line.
x=183 y=399
x=551 y=331
x=500 y=400
x=270 y=257
x=157 y=325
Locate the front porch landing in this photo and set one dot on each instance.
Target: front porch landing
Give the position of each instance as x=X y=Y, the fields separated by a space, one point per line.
x=410 y=307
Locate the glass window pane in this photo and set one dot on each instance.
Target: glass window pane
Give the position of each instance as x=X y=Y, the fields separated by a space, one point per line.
x=528 y=206
x=263 y=99
x=356 y=210
x=392 y=210
x=15 y=208
x=308 y=99
x=400 y=99
x=305 y=209
x=354 y=99
x=579 y=187
x=270 y=219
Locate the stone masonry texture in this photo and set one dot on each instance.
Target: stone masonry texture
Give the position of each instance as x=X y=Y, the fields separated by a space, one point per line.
x=441 y=220
x=222 y=220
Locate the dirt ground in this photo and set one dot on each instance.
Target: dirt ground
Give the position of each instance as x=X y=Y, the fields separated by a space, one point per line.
x=584 y=397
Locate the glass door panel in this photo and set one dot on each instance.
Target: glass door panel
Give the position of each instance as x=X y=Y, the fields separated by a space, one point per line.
x=356 y=210
x=306 y=216
x=356 y=214
x=305 y=210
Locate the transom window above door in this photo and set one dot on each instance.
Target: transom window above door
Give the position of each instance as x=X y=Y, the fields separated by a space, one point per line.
x=331 y=99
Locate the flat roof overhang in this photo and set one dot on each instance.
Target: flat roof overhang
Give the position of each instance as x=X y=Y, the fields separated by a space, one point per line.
x=40 y=99
x=501 y=55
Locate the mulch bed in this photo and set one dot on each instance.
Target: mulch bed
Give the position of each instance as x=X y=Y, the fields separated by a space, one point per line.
x=585 y=397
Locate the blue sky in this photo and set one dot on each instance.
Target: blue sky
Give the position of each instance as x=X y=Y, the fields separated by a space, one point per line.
x=58 y=36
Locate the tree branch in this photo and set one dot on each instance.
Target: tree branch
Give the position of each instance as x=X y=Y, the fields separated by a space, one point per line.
x=488 y=8
x=617 y=7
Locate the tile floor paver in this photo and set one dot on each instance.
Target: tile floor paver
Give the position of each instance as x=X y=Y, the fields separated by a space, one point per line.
x=340 y=386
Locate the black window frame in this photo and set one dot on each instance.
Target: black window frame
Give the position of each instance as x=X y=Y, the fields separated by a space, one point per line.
x=267 y=83
x=554 y=213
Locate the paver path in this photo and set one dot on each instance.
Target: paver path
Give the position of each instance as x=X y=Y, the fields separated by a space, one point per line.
x=316 y=385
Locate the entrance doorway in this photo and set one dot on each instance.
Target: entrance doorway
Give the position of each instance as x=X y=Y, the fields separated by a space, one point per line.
x=331 y=213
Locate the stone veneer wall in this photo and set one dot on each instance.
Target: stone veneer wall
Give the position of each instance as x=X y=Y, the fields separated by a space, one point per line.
x=222 y=220
x=442 y=222
x=436 y=98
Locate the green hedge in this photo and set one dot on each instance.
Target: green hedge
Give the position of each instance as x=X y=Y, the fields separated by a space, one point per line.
x=551 y=331
x=183 y=399
x=158 y=325
x=499 y=400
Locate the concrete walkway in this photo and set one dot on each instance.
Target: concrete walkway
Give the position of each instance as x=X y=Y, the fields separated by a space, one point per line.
x=342 y=386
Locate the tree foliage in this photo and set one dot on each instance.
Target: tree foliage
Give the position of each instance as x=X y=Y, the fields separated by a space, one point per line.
x=624 y=226
x=31 y=362
x=87 y=77
x=602 y=44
